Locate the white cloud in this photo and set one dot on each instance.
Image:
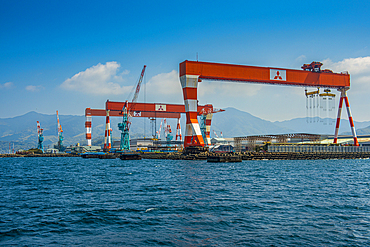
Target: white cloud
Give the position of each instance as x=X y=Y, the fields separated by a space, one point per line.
x=355 y=66
x=301 y=58
x=101 y=79
x=165 y=83
x=32 y=88
x=125 y=72
x=6 y=85
x=365 y=79
x=359 y=70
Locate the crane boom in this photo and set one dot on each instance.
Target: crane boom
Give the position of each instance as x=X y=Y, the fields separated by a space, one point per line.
x=134 y=99
x=159 y=131
x=205 y=123
x=215 y=133
x=59 y=125
x=127 y=114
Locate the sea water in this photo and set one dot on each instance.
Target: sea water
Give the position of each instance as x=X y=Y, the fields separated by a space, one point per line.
x=94 y=202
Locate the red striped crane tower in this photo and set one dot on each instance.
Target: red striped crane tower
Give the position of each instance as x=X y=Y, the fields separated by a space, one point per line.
x=178 y=131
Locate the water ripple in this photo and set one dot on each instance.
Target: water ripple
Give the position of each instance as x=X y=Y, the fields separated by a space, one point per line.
x=74 y=201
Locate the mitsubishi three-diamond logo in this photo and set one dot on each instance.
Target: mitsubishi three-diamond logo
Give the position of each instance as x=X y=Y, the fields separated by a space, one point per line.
x=277 y=74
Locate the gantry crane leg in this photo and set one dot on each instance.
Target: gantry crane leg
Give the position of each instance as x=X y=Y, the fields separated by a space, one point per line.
x=106 y=129
x=343 y=97
x=193 y=135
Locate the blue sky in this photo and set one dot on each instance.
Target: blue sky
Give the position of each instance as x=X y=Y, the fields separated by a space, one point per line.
x=70 y=55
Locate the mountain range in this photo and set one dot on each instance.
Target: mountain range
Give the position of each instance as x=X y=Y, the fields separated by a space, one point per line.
x=21 y=130
x=233 y=122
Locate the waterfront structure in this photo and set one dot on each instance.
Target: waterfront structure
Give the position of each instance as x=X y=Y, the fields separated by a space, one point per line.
x=193 y=72
x=147 y=110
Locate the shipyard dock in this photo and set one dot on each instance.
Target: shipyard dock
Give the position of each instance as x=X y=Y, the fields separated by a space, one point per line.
x=237 y=157
x=216 y=157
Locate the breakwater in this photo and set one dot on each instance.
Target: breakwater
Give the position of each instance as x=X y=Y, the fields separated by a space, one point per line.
x=38 y=155
x=225 y=157
x=304 y=155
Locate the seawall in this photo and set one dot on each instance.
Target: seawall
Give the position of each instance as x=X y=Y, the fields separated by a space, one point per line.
x=228 y=156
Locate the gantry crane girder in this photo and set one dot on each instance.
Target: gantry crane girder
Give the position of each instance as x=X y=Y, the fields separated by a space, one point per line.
x=244 y=73
x=156 y=108
x=193 y=72
x=102 y=113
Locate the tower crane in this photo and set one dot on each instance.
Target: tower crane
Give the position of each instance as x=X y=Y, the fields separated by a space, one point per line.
x=205 y=126
x=169 y=137
x=214 y=132
x=159 y=131
x=59 y=146
x=124 y=127
x=40 y=137
x=178 y=131
x=127 y=114
x=167 y=131
x=165 y=128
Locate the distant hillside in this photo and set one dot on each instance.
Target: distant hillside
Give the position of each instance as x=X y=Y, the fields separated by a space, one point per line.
x=4 y=146
x=23 y=128
x=359 y=131
x=22 y=132
x=233 y=122
x=319 y=125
